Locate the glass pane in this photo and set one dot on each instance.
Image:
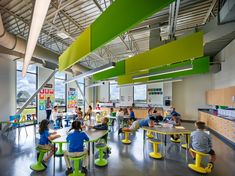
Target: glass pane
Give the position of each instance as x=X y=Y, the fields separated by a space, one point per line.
x=80 y=97
x=60 y=75
x=114 y=92
x=140 y=94
x=80 y=81
x=25 y=88
x=31 y=67
x=59 y=92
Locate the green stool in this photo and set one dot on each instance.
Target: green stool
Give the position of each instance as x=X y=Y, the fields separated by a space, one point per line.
x=39 y=166
x=76 y=162
x=101 y=161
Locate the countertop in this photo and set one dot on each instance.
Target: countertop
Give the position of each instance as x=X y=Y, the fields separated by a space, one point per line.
x=214 y=113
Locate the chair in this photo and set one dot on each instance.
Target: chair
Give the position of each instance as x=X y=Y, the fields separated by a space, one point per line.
x=126 y=139
x=197 y=166
x=76 y=163
x=67 y=120
x=38 y=166
x=101 y=161
x=155 y=153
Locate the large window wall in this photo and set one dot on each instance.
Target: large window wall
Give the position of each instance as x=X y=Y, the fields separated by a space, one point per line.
x=114 y=92
x=81 y=101
x=25 y=87
x=140 y=93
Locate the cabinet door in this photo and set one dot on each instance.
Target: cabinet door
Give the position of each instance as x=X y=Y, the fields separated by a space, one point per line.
x=229 y=93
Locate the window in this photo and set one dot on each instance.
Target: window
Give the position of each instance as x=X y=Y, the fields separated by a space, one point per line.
x=60 y=96
x=81 y=101
x=25 y=87
x=140 y=93
x=114 y=92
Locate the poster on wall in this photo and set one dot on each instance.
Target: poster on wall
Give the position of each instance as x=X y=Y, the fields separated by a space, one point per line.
x=47 y=91
x=72 y=98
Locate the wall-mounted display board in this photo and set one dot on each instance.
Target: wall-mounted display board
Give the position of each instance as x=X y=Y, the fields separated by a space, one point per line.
x=155 y=94
x=47 y=91
x=72 y=98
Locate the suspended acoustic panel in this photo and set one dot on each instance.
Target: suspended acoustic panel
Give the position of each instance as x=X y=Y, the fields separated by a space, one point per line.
x=200 y=66
x=115 y=20
x=177 y=51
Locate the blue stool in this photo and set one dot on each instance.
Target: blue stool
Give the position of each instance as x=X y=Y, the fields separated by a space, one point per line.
x=67 y=122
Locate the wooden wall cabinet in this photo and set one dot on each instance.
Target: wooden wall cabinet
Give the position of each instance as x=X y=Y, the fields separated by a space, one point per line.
x=222 y=97
x=222 y=126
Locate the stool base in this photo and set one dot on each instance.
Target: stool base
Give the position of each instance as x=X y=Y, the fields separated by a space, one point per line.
x=155 y=155
x=79 y=174
x=184 y=146
x=126 y=141
x=197 y=169
x=100 y=162
x=37 y=167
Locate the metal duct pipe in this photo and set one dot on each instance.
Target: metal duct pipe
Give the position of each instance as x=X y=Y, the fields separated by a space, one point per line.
x=16 y=44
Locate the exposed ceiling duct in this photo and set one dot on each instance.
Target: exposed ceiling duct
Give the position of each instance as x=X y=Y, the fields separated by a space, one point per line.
x=15 y=46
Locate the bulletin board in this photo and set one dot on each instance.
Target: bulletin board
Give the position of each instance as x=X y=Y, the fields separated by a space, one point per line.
x=47 y=91
x=72 y=98
x=155 y=94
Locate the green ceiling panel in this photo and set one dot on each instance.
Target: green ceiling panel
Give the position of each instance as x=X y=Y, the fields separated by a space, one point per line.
x=200 y=65
x=126 y=79
x=121 y=16
x=176 y=51
x=115 y=20
x=76 y=51
x=119 y=69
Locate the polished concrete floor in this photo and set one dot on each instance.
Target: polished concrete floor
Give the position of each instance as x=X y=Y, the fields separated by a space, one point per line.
x=16 y=155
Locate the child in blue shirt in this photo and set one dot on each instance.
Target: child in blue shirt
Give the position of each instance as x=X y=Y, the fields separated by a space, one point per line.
x=76 y=146
x=45 y=137
x=201 y=141
x=132 y=115
x=150 y=121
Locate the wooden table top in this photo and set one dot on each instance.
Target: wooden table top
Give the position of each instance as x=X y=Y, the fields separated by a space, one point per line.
x=166 y=130
x=91 y=133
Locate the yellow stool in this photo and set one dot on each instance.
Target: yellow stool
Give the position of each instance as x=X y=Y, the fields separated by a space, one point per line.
x=149 y=135
x=155 y=153
x=197 y=166
x=175 y=141
x=126 y=139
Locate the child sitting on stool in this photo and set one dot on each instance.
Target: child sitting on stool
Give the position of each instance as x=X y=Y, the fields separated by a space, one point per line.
x=201 y=141
x=76 y=146
x=150 y=121
x=45 y=138
x=103 y=126
x=176 y=122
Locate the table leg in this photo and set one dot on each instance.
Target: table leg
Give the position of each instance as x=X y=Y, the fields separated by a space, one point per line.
x=54 y=161
x=93 y=148
x=165 y=144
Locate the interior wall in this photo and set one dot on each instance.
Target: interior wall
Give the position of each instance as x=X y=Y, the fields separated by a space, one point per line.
x=189 y=95
x=103 y=92
x=225 y=78
x=126 y=96
x=88 y=92
x=43 y=74
x=7 y=88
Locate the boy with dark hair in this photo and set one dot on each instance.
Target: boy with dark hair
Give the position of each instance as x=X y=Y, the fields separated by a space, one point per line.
x=201 y=141
x=138 y=124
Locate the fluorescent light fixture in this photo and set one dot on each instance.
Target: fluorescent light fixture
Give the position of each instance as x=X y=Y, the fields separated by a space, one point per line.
x=95 y=85
x=153 y=81
x=92 y=72
x=39 y=14
x=164 y=72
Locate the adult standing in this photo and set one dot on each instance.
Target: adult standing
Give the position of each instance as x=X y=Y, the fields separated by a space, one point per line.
x=48 y=108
